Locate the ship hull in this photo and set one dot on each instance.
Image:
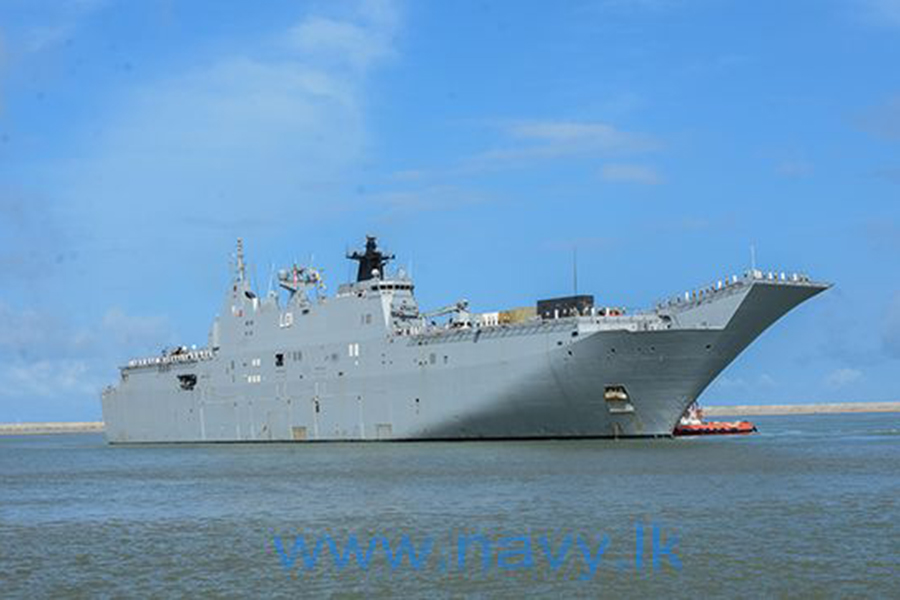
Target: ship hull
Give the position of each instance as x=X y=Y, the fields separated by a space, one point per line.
x=548 y=379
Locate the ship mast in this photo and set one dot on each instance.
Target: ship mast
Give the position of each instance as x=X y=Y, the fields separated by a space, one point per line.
x=371 y=260
x=241 y=270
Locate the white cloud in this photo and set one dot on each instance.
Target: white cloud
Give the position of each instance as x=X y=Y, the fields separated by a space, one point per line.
x=44 y=356
x=47 y=379
x=30 y=334
x=33 y=332
x=842 y=377
x=330 y=38
x=630 y=173
x=360 y=41
x=582 y=136
x=18 y=328
x=429 y=198
x=134 y=331
x=240 y=112
x=254 y=129
x=531 y=141
x=525 y=143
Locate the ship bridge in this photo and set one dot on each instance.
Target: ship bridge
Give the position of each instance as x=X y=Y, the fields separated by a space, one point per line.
x=401 y=285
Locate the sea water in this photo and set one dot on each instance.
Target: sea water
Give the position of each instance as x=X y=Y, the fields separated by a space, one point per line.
x=808 y=506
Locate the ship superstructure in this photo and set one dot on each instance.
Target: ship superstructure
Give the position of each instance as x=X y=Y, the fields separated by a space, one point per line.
x=367 y=364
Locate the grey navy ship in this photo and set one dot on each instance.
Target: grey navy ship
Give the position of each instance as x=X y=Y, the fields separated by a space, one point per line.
x=367 y=364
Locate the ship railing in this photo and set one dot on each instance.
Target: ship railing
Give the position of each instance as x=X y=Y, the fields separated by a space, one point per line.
x=183 y=357
x=728 y=284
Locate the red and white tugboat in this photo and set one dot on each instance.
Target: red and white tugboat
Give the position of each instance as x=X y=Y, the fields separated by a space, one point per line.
x=692 y=423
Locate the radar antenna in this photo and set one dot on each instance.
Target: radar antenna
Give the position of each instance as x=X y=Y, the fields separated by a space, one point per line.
x=298 y=278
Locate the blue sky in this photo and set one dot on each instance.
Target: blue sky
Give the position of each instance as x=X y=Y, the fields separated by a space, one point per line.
x=481 y=141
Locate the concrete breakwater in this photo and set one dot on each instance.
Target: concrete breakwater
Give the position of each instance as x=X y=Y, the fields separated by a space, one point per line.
x=44 y=428
x=800 y=409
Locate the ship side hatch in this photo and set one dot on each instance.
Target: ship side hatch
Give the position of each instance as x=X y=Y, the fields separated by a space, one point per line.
x=617 y=399
x=187 y=381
